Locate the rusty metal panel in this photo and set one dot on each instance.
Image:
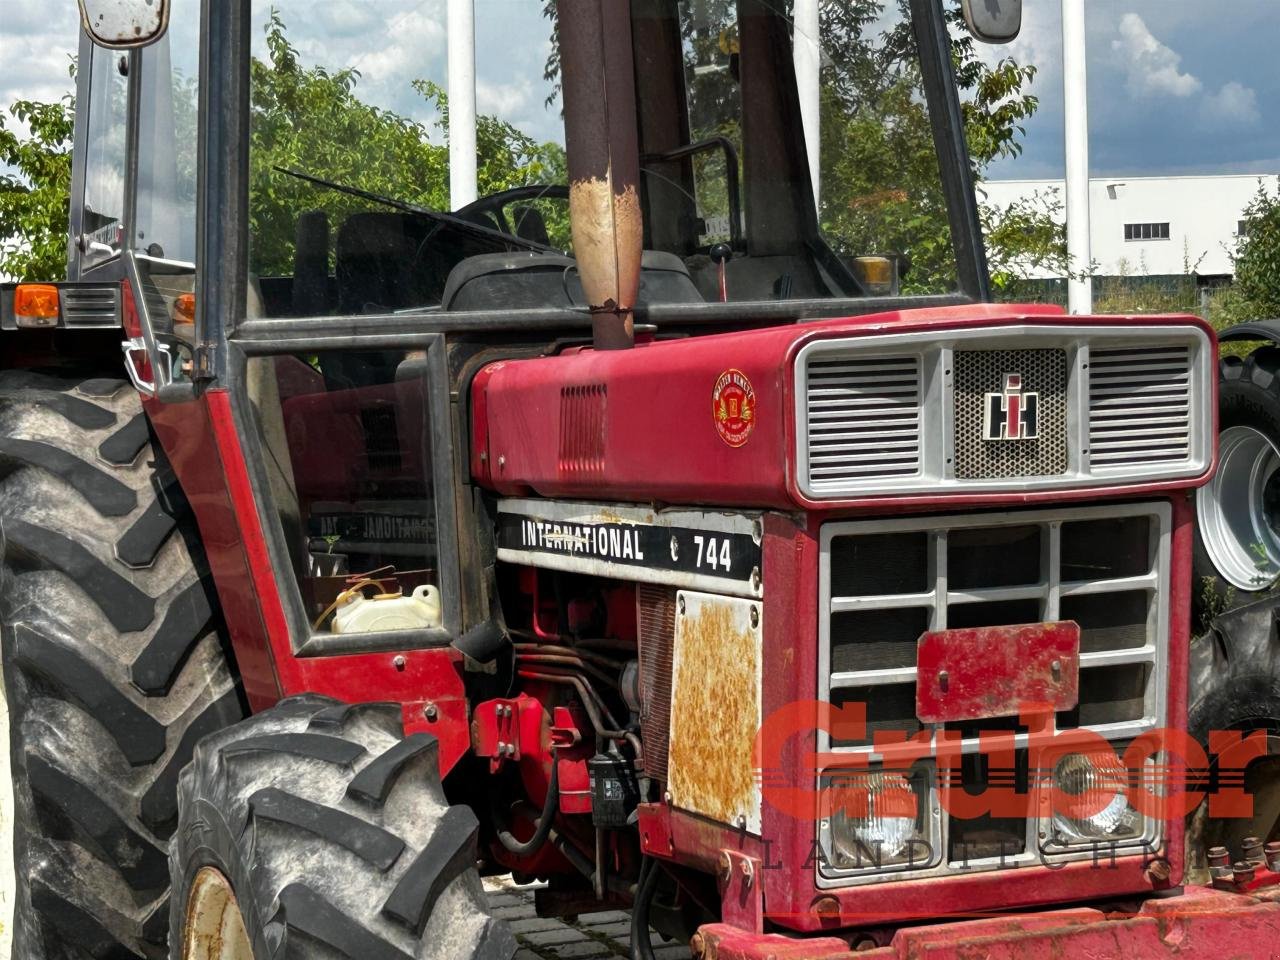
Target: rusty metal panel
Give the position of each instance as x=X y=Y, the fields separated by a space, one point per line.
x=716 y=708
x=982 y=672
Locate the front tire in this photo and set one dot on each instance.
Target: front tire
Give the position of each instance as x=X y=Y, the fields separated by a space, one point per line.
x=332 y=835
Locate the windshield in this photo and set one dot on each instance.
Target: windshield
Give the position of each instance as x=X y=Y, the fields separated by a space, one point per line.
x=350 y=159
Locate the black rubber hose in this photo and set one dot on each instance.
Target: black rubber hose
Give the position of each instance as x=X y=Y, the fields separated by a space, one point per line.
x=641 y=945
x=531 y=846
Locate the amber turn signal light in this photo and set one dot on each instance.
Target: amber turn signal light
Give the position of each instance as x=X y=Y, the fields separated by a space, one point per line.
x=184 y=308
x=35 y=305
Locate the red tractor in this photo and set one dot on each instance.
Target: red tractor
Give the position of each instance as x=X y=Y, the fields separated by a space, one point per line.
x=658 y=534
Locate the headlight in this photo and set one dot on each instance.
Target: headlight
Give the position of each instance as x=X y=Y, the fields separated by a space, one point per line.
x=1093 y=796
x=880 y=818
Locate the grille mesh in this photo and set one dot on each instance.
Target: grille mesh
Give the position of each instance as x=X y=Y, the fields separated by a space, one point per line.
x=656 y=607
x=863 y=419
x=980 y=372
x=1139 y=406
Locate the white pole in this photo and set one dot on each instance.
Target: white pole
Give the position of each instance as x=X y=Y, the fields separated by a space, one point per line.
x=462 y=102
x=1075 y=90
x=806 y=52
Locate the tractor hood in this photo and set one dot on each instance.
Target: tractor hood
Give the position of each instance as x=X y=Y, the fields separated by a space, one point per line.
x=978 y=403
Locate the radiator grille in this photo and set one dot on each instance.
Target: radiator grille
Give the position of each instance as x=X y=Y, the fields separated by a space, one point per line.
x=84 y=306
x=981 y=372
x=864 y=419
x=890 y=414
x=656 y=609
x=1139 y=406
x=1104 y=567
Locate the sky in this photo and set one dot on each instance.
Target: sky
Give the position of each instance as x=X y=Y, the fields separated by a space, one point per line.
x=1175 y=86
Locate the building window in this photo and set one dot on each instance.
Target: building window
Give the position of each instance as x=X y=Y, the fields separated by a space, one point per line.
x=1242 y=228
x=1146 y=231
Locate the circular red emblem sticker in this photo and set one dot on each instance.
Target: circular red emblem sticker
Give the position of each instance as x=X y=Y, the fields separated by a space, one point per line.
x=733 y=407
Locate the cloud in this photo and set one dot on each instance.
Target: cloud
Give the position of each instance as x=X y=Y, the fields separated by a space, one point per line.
x=1233 y=105
x=503 y=100
x=1152 y=67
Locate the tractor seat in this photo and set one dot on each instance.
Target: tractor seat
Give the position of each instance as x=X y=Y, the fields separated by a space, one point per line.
x=531 y=225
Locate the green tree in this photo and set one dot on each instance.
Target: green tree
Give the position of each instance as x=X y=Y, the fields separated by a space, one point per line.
x=312 y=119
x=881 y=191
x=881 y=188
x=35 y=194
x=1257 y=256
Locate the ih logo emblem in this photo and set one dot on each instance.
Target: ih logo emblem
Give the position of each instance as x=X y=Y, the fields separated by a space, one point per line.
x=1011 y=413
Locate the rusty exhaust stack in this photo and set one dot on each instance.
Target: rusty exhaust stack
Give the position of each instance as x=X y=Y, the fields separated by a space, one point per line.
x=604 y=161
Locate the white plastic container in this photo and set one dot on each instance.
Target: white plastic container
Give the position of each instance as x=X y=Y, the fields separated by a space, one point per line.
x=361 y=614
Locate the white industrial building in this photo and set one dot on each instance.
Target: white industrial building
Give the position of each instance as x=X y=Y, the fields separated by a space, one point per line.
x=1152 y=225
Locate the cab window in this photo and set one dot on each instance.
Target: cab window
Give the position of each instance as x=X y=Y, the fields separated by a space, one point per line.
x=102 y=204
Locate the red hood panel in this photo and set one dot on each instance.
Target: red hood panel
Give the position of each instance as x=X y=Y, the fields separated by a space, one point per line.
x=704 y=420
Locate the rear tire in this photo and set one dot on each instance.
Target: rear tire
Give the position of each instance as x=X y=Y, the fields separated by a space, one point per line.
x=113 y=664
x=333 y=834
x=1236 y=557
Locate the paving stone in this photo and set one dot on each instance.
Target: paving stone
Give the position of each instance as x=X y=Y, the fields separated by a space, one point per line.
x=619 y=928
x=531 y=924
x=582 y=950
x=519 y=912
x=608 y=916
x=562 y=933
x=497 y=900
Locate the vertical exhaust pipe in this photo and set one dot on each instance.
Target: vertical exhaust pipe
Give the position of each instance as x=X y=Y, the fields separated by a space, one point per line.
x=598 y=83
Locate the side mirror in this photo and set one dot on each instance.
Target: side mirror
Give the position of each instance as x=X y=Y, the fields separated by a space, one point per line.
x=993 y=21
x=120 y=24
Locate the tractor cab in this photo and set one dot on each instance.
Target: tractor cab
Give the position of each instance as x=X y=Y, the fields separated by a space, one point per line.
x=759 y=199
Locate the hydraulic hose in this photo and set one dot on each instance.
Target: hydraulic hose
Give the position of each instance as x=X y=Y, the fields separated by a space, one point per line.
x=542 y=829
x=641 y=945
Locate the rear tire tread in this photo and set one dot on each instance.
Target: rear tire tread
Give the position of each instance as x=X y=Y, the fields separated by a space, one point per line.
x=95 y=756
x=123 y=446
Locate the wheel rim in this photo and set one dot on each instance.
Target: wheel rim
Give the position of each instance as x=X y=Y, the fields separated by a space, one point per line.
x=214 y=926
x=1239 y=510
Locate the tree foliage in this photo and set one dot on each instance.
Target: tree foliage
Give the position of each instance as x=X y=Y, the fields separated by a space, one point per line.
x=881 y=190
x=313 y=120
x=881 y=186
x=1257 y=257
x=35 y=195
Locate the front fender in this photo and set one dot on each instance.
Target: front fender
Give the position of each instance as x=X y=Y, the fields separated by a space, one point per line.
x=1253 y=330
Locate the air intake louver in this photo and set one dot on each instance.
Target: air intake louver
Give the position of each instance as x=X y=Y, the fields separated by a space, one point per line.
x=86 y=306
x=863 y=419
x=1139 y=406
